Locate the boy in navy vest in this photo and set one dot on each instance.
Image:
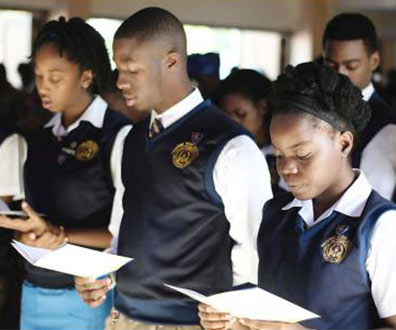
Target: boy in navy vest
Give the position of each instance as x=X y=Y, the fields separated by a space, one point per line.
x=194 y=185
x=329 y=245
x=351 y=48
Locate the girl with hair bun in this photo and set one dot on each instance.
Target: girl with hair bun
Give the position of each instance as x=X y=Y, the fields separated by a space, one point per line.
x=328 y=245
x=71 y=170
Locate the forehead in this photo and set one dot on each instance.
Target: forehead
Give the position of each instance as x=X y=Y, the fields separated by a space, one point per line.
x=343 y=50
x=48 y=57
x=290 y=129
x=127 y=50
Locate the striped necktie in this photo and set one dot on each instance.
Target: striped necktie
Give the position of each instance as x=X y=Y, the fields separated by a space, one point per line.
x=156 y=127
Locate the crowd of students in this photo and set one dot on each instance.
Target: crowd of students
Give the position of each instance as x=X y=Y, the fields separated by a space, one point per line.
x=187 y=191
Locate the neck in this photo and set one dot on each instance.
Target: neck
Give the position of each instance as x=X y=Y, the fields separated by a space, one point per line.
x=262 y=138
x=71 y=115
x=174 y=94
x=334 y=193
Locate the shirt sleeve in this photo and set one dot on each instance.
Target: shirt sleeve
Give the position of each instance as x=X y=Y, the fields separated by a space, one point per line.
x=381 y=264
x=13 y=153
x=115 y=165
x=379 y=161
x=242 y=180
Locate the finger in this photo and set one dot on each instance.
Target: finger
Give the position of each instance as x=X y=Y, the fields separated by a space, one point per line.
x=78 y=280
x=256 y=325
x=214 y=316
x=95 y=294
x=210 y=325
x=44 y=241
x=15 y=224
x=207 y=309
x=29 y=210
x=85 y=284
x=95 y=303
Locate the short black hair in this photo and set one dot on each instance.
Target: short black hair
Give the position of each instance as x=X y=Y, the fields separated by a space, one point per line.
x=323 y=93
x=352 y=26
x=81 y=44
x=249 y=83
x=151 y=23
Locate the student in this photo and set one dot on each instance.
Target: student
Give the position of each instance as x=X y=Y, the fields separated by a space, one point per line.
x=71 y=169
x=244 y=96
x=351 y=47
x=195 y=183
x=11 y=182
x=329 y=245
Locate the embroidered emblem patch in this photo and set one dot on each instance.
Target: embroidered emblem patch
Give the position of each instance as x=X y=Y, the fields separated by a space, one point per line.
x=336 y=248
x=184 y=154
x=86 y=151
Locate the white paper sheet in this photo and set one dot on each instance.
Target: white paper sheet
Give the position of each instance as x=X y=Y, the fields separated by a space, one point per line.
x=72 y=259
x=252 y=303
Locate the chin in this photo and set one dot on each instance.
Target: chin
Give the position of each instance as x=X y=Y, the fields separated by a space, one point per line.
x=303 y=195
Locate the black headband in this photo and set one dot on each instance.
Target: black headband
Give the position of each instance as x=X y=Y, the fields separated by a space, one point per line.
x=314 y=108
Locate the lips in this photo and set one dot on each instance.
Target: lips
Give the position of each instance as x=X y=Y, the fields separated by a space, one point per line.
x=295 y=186
x=46 y=103
x=129 y=100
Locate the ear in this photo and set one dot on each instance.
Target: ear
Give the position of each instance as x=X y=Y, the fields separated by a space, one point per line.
x=262 y=106
x=172 y=60
x=374 y=60
x=86 y=79
x=345 y=140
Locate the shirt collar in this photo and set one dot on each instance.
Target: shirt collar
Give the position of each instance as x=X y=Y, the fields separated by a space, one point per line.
x=178 y=110
x=368 y=91
x=351 y=203
x=94 y=114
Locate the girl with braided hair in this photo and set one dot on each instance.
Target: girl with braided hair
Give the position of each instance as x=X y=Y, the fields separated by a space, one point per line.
x=71 y=170
x=328 y=245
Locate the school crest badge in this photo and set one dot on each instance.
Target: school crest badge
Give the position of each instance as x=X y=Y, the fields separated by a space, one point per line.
x=184 y=154
x=86 y=151
x=336 y=248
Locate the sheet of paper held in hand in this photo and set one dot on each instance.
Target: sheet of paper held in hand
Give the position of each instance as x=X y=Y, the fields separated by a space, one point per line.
x=72 y=259
x=252 y=303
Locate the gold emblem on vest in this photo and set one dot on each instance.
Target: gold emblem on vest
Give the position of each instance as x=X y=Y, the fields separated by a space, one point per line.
x=336 y=248
x=86 y=151
x=184 y=154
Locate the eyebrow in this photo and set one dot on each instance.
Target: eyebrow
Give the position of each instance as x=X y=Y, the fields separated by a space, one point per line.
x=343 y=62
x=294 y=146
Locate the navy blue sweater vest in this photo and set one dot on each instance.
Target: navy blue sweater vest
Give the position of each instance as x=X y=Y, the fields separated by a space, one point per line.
x=5 y=131
x=174 y=223
x=70 y=184
x=292 y=263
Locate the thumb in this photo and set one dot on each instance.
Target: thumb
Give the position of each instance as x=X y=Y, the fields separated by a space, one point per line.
x=29 y=210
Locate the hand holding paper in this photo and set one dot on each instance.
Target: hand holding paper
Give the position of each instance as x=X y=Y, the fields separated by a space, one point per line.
x=72 y=259
x=253 y=304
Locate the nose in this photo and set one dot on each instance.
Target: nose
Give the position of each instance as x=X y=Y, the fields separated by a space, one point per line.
x=122 y=82
x=42 y=86
x=341 y=69
x=286 y=166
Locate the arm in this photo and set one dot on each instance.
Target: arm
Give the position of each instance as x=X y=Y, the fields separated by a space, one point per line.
x=242 y=179
x=91 y=237
x=379 y=161
x=381 y=264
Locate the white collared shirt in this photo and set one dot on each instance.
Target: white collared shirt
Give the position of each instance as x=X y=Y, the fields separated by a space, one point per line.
x=12 y=158
x=381 y=257
x=378 y=160
x=242 y=180
x=94 y=114
x=368 y=91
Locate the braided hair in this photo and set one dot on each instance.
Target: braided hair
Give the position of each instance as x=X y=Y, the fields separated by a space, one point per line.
x=316 y=89
x=79 y=43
